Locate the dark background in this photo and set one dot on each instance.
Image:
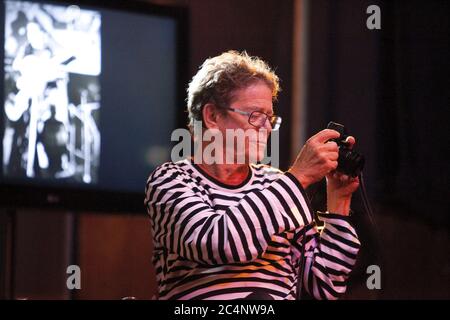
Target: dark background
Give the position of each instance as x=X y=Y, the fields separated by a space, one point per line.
x=387 y=86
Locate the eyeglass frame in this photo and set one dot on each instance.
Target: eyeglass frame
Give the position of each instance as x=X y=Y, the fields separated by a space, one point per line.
x=275 y=127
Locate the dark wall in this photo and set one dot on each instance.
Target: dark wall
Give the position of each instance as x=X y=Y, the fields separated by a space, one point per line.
x=389 y=87
x=413 y=107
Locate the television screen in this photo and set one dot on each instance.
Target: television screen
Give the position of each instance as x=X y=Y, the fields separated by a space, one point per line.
x=90 y=98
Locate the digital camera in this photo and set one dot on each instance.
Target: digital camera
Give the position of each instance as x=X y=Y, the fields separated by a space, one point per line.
x=350 y=162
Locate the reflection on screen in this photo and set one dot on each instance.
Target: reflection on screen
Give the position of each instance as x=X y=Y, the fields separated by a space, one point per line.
x=90 y=95
x=52 y=71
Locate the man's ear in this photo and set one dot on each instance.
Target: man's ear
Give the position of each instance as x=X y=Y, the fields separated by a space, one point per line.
x=210 y=116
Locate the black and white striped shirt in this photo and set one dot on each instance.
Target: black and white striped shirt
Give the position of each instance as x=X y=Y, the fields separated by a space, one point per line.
x=214 y=241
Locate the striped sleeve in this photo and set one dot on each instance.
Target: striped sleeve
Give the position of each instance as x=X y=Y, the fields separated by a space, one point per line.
x=185 y=224
x=329 y=256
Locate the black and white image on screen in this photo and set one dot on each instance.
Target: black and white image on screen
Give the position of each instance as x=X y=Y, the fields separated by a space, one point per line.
x=52 y=67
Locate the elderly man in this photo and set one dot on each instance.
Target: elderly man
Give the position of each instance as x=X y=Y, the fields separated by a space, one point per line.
x=238 y=230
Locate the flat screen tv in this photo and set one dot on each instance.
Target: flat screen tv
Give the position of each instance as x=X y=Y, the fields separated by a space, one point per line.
x=91 y=91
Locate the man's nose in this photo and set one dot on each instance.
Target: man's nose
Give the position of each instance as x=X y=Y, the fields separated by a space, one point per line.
x=267 y=126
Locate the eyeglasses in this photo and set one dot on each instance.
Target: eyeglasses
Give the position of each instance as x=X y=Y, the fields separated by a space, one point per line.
x=258 y=118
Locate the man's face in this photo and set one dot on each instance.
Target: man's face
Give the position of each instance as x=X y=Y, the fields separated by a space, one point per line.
x=256 y=97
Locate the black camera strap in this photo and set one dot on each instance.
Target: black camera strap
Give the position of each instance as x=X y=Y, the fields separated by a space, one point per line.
x=301 y=263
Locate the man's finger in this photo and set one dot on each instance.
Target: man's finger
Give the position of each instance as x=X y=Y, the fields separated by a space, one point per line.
x=350 y=141
x=325 y=135
x=329 y=146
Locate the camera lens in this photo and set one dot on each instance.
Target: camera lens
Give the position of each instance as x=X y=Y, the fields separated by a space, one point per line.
x=350 y=162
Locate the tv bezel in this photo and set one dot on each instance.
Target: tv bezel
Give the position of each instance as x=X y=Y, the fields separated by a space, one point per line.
x=73 y=198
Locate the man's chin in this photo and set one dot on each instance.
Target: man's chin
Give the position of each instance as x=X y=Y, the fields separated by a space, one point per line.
x=257 y=156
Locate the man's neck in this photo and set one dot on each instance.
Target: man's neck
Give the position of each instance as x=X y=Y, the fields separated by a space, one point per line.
x=230 y=174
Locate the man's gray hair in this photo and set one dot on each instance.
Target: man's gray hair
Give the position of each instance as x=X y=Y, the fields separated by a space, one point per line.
x=219 y=77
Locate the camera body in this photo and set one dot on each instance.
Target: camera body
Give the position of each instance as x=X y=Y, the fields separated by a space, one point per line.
x=350 y=162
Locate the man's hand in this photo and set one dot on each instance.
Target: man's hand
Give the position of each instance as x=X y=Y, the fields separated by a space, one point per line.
x=317 y=158
x=340 y=188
